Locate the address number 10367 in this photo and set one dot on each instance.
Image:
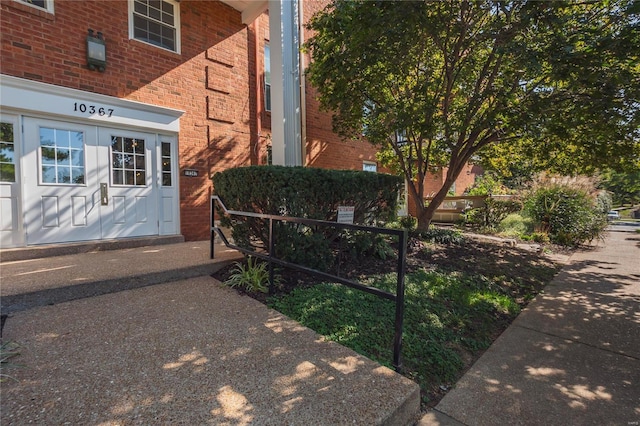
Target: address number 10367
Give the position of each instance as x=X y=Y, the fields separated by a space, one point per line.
x=92 y=109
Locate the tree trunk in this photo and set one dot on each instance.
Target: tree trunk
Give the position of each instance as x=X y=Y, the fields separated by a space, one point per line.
x=425 y=213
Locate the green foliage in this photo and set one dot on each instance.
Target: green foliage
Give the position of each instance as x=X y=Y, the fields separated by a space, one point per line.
x=624 y=187
x=460 y=78
x=302 y=192
x=487 y=184
x=8 y=350
x=252 y=276
x=445 y=316
x=407 y=222
x=361 y=244
x=515 y=225
x=492 y=213
x=441 y=235
x=568 y=215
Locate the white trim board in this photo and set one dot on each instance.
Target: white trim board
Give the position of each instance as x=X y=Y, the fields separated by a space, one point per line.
x=23 y=95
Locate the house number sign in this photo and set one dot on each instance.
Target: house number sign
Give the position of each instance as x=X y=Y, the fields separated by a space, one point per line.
x=92 y=109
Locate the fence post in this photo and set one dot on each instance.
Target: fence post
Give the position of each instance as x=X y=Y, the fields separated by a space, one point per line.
x=212 y=229
x=397 y=340
x=271 y=250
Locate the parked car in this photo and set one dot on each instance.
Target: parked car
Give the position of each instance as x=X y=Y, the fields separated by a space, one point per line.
x=613 y=215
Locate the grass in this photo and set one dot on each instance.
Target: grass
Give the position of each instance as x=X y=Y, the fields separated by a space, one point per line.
x=449 y=318
x=8 y=350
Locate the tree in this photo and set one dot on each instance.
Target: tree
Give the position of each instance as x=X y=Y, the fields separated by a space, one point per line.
x=433 y=84
x=625 y=187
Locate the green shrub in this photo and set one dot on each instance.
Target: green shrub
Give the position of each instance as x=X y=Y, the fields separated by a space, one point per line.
x=362 y=243
x=252 y=277
x=408 y=222
x=568 y=215
x=492 y=213
x=515 y=225
x=302 y=192
x=441 y=235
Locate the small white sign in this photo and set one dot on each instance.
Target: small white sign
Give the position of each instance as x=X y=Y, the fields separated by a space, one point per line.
x=345 y=214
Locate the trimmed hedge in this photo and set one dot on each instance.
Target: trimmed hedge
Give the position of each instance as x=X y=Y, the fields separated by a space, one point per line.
x=302 y=192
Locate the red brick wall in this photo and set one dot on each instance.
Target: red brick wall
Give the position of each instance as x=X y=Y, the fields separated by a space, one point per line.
x=213 y=78
x=323 y=147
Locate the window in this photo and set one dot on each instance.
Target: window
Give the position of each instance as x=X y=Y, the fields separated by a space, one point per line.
x=61 y=156
x=369 y=166
x=7 y=153
x=46 y=5
x=128 y=161
x=401 y=137
x=156 y=22
x=166 y=164
x=267 y=77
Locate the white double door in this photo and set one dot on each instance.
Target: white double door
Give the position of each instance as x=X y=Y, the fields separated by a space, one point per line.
x=86 y=182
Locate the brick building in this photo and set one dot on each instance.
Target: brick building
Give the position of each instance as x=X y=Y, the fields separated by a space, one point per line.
x=128 y=150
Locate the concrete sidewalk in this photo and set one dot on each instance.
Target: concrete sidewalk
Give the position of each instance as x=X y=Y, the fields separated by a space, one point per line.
x=572 y=357
x=114 y=347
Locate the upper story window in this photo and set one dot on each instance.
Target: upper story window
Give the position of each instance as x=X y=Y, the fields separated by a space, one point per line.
x=369 y=166
x=267 y=77
x=156 y=22
x=46 y=5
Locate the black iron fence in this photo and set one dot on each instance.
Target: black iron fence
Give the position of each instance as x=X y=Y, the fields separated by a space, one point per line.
x=398 y=297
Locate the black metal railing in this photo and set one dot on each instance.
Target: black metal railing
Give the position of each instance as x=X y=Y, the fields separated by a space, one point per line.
x=398 y=297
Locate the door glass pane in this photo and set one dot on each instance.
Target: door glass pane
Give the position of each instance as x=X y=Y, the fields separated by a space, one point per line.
x=77 y=159
x=7 y=154
x=48 y=174
x=166 y=164
x=60 y=151
x=128 y=161
x=64 y=174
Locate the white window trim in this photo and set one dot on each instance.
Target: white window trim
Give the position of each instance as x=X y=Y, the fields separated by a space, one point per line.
x=176 y=8
x=264 y=57
x=370 y=163
x=48 y=3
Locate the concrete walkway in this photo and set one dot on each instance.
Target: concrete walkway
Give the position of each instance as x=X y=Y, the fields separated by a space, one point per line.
x=572 y=357
x=144 y=336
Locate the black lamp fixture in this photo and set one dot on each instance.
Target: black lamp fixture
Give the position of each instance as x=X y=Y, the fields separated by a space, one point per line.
x=96 y=51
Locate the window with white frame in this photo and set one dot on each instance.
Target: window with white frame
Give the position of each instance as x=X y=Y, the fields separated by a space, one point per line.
x=7 y=153
x=267 y=77
x=401 y=138
x=46 y=5
x=156 y=22
x=369 y=166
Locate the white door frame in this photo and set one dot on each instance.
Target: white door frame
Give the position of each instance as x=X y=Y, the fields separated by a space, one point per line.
x=20 y=97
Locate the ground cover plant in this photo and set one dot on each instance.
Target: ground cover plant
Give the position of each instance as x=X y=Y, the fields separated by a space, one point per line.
x=461 y=293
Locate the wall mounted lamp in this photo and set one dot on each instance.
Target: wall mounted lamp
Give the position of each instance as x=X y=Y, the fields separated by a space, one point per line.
x=96 y=51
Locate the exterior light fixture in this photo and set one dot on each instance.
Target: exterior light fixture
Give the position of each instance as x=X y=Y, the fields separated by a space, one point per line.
x=96 y=51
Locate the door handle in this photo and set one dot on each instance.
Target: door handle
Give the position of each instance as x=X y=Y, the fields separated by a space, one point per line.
x=104 y=194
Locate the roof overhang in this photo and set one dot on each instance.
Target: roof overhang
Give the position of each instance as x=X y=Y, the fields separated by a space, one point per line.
x=250 y=9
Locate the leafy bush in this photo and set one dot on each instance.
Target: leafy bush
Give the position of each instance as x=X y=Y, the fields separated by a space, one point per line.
x=516 y=225
x=493 y=212
x=408 y=222
x=568 y=215
x=302 y=192
x=361 y=243
x=252 y=277
x=486 y=184
x=441 y=235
